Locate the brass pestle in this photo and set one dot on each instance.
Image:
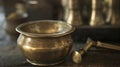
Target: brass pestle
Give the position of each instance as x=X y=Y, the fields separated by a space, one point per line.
x=77 y=55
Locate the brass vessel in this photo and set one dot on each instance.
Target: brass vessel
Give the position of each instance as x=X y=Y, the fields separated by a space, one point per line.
x=45 y=42
x=112 y=12
x=72 y=13
x=97 y=18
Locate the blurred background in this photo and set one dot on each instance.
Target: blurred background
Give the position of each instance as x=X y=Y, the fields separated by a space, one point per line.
x=100 y=22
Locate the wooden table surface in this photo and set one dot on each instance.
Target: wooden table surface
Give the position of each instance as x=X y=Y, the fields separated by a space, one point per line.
x=10 y=55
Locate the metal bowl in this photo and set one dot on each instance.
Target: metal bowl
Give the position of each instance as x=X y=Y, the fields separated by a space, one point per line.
x=45 y=42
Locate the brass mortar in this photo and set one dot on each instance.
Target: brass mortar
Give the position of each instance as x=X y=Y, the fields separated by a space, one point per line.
x=45 y=42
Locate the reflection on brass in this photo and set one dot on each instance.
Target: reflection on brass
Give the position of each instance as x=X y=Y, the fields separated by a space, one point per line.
x=97 y=4
x=74 y=18
x=96 y=18
x=109 y=15
x=107 y=10
x=45 y=42
x=77 y=55
x=73 y=4
x=66 y=11
x=115 y=4
x=115 y=18
x=105 y=45
x=108 y=46
x=112 y=12
x=72 y=13
x=108 y=4
x=97 y=15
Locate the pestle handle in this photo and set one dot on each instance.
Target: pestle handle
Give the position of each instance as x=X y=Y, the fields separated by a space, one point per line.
x=106 y=45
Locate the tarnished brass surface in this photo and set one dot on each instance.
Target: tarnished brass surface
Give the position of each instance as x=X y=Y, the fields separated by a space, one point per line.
x=73 y=4
x=112 y=12
x=112 y=3
x=115 y=15
x=97 y=4
x=97 y=14
x=96 y=18
x=74 y=18
x=104 y=45
x=107 y=45
x=72 y=13
x=45 y=42
x=64 y=4
x=77 y=55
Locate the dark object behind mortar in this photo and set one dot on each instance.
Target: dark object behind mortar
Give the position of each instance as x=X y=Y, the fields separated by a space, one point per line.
x=104 y=33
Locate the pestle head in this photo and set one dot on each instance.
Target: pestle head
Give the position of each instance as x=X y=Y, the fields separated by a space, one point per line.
x=76 y=57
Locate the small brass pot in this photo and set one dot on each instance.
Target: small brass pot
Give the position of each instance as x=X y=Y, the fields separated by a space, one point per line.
x=45 y=42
